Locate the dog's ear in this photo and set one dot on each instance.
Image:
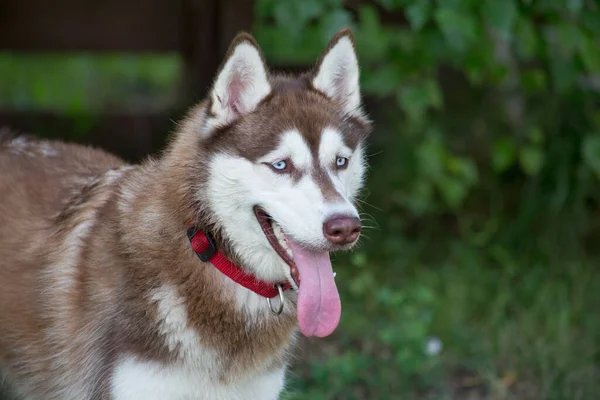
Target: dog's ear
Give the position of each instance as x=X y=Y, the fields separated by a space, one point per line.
x=240 y=85
x=337 y=74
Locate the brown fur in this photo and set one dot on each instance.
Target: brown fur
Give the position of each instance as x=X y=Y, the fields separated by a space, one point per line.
x=54 y=335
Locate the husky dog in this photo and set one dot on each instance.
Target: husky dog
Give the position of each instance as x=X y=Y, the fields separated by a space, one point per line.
x=187 y=276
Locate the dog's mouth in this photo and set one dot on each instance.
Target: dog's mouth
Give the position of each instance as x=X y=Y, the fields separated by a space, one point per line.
x=311 y=273
x=278 y=241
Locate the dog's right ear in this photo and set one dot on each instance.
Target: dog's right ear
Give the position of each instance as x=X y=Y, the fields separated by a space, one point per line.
x=240 y=86
x=337 y=73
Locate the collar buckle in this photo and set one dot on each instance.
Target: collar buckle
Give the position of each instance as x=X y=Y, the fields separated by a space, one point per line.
x=207 y=254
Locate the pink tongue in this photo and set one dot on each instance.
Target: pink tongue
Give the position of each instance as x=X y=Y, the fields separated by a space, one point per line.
x=319 y=306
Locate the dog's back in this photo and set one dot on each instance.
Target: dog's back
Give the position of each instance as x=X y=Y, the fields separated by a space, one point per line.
x=39 y=181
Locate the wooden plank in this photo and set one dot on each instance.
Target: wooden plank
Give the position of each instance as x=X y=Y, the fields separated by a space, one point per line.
x=130 y=136
x=234 y=16
x=210 y=25
x=86 y=25
x=199 y=47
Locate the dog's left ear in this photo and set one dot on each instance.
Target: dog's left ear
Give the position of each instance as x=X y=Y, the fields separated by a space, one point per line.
x=337 y=74
x=241 y=83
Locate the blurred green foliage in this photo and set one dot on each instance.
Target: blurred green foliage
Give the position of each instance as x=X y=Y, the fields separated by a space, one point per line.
x=79 y=83
x=484 y=193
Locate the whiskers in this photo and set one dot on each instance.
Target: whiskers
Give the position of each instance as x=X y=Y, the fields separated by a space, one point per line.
x=366 y=203
x=368 y=221
x=371 y=155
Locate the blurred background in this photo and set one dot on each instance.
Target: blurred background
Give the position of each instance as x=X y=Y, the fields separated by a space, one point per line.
x=479 y=277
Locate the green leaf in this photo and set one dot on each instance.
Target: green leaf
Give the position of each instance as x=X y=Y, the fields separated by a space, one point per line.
x=453 y=191
x=363 y=283
x=383 y=81
x=570 y=38
x=265 y=8
x=372 y=39
x=461 y=6
x=424 y=295
x=434 y=93
x=504 y=154
x=590 y=148
x=536 y=135
x=590 y=21
x=563 y=74
x=459 y=28
x=534 y=81
x=590 y=55
x=297 y=13
x=391 y=5
x=286 y=17
x=531 y=159
x=462 y=168
x=421 y=197
x=500 y=16
x=526 y=41
x=359 y=259
x=431 y=155
x=418 y=13
x=474 y=74
x=417 y=98
x=574 y=6
x=310 y=9
x=334 y=21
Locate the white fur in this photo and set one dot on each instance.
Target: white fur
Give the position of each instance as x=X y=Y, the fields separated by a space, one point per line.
x=23 y=147
x=18 y=145
x=338 y=76
x=240 y=86
x=351 y=179
x=332 y=146
x=128 y=195
x=347 y=181
x=47 y=150
x=142 y=380
x=196 y=373
x=237 y=184
x=293 y=146
x=178 y=336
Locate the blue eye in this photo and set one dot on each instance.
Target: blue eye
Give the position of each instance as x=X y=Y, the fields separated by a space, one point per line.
x=279 y=165
x=341 y=162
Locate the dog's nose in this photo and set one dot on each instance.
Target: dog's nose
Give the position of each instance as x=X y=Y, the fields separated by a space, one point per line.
x=341 y=229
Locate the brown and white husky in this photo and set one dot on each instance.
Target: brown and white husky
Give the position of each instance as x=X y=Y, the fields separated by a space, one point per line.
x=187 y=276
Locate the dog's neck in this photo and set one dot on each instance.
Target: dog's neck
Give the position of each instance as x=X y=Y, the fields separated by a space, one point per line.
x=154 y=209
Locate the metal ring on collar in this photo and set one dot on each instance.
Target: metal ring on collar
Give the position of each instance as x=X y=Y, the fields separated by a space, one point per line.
x=279 y=310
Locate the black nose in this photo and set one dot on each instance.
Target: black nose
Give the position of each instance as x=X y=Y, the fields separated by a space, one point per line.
x=341 y=229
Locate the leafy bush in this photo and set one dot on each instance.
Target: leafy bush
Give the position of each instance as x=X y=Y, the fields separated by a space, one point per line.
x=484 y=185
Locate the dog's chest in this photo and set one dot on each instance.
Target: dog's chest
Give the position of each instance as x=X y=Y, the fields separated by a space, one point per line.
x=199 y=371
x=136 y=379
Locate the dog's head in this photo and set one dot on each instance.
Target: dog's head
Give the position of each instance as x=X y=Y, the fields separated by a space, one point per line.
x=284 y=163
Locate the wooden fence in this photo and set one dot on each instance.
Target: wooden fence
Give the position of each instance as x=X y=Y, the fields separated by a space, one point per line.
x=198 y=30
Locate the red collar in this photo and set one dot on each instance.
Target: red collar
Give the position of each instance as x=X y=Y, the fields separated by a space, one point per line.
x=206 y=249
